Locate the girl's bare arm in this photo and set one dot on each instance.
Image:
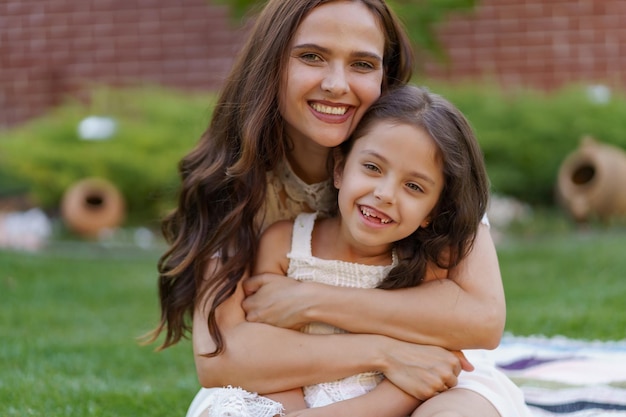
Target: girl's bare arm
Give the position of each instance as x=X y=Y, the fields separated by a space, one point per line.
x=386 y=400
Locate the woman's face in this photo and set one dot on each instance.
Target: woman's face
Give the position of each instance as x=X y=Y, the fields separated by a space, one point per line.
x=334 y=73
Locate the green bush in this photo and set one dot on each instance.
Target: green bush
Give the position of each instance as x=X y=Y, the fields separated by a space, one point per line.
x=525 y=135
x=155 y=128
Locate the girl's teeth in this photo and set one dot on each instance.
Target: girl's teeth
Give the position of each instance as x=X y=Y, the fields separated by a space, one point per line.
x=367 y=213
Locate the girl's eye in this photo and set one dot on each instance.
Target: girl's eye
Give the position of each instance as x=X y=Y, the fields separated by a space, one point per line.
x=414 y=187
x=371 y=167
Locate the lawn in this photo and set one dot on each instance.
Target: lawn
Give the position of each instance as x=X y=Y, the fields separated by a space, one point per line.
x=570 y=284
x=69 y=326
x=70 y=316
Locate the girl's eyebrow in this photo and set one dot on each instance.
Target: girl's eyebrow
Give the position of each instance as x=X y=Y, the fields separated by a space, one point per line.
x=356 y=54
x=415 y=174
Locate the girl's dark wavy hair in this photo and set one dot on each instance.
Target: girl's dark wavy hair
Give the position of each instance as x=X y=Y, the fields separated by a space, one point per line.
x=455 y=219
x=223 y=177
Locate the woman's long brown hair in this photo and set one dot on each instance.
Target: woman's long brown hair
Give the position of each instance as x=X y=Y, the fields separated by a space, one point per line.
x=224 y=177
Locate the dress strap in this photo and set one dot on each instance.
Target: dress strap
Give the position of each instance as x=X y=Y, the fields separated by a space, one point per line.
x=302 y=233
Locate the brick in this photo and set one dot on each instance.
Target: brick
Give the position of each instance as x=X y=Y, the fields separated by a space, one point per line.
x=53 y=47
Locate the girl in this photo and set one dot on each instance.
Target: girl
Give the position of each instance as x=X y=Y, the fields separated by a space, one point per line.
x=308 y=72
x=412 y=191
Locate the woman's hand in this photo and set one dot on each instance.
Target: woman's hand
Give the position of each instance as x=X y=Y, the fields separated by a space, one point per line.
x=276 y=300
x=422 y=371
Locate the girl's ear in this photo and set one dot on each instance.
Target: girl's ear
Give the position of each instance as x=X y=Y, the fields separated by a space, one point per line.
x=428 y=220
x=338 y=168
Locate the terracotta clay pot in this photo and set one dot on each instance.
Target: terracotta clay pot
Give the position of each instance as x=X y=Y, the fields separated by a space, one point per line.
x=591 y=181
x=92 y=205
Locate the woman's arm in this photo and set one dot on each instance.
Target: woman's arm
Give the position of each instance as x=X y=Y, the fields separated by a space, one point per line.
x=263 y=358
x=386 y=400
x=463 y=312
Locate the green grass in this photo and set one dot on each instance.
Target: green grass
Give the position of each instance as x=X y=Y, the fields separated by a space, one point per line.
x=70 y=315
x=569 y=284
x=69 y=323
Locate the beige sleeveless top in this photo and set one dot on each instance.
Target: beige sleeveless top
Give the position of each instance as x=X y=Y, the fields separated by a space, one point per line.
x=287 y=196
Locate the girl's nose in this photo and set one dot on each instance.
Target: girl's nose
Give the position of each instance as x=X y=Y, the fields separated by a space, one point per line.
x=384 y=192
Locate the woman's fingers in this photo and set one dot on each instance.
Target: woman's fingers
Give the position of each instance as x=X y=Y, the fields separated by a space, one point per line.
x=422 y=371
x=273 y=299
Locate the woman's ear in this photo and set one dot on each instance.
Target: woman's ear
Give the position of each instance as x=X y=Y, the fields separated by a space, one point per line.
x=338 y=168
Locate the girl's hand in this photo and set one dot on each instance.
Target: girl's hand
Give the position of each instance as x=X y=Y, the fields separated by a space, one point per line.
x=276 y=300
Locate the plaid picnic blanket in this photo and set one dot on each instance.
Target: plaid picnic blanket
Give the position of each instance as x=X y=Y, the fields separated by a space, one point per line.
x=565 y=377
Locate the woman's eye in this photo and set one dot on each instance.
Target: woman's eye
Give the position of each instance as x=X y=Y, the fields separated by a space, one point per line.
x=364 y=66
x=310 y=57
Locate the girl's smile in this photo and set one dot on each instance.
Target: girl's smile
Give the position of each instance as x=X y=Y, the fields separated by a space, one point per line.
x=389 y=184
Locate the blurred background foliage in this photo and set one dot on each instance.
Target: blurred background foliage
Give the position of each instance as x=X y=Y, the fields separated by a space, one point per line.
x=525 y=135
x=155 y=128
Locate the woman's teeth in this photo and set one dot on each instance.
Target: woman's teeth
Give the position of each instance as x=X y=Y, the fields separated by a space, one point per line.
x=338 y=111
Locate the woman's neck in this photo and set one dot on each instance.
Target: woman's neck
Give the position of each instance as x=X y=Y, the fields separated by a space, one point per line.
x=309 y=164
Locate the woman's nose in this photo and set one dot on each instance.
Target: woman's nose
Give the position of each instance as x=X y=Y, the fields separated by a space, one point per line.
x=336 y=82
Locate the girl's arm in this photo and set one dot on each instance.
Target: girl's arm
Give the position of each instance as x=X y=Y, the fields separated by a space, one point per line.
x=292 y=400
x=463 y=312
x=264 y=358
x=386 y=400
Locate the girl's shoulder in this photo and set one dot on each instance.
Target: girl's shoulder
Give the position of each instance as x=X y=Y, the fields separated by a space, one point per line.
x=274 y=244
x=277 y=231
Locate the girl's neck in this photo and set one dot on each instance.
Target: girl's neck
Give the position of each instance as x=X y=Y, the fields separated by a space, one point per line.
x=330 y=242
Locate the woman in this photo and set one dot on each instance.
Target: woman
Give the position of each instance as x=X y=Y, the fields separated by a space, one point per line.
x=307 y=74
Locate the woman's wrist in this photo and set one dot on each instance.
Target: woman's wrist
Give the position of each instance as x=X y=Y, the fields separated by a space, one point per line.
x=380 y=348
x=311 y=298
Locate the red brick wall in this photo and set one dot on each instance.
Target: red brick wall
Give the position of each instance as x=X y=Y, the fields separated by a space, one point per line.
x=49 y=48
x=537 y=43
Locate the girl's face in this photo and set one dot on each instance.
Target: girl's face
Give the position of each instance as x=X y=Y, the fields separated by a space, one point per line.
x=390 y=183
x=334 y=73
